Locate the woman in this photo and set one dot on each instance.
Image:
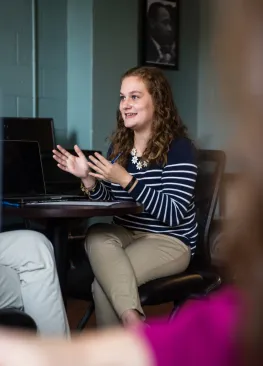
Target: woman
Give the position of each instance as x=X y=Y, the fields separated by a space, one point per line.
x=225 y=329
x=156 y=166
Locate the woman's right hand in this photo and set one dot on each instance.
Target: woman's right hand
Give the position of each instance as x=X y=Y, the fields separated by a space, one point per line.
x=76 y=165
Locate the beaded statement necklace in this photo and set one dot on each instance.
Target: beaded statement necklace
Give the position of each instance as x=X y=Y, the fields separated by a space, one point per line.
x=135 y=160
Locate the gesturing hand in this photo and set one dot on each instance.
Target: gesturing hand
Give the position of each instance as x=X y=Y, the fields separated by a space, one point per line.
x=105 y=170
x=76 y=165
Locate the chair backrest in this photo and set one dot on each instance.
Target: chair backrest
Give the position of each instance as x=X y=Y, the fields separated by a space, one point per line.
x=211 y=167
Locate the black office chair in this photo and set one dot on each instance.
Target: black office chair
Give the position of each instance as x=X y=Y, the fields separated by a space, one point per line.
x=30 y=129
x=13 y=318
x=200 y=278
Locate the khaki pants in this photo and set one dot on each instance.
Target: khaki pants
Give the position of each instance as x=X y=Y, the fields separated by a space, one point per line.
x=124 y=259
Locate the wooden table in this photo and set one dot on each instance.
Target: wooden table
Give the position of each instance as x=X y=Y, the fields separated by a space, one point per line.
x=57 y=221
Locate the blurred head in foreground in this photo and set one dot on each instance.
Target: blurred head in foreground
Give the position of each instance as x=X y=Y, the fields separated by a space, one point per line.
x=239 y=61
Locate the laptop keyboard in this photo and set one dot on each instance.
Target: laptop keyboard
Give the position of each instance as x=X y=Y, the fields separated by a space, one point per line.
x=58 y=200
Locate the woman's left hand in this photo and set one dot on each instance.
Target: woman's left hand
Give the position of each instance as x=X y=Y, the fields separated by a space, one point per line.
x=105 y=170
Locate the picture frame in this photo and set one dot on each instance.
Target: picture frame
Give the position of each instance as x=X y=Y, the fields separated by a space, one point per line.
x=159 y=33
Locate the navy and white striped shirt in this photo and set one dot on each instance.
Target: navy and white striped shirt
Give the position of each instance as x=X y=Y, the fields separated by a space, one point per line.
x=167 y=193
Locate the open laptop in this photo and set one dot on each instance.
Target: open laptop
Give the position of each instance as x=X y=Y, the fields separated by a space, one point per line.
x=30 y=129
x=24 y=179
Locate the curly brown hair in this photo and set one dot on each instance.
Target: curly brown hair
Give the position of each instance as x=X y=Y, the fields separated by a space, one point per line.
x=167 y=124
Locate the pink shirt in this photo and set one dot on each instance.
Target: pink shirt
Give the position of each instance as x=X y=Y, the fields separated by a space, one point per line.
x=202 y=333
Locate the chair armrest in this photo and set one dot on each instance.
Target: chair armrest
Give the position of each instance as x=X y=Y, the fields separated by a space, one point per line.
x=216 y=242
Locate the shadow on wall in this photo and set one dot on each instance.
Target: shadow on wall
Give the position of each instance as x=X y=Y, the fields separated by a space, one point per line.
x=205 y=141
x=67 y=141
x=72 y=139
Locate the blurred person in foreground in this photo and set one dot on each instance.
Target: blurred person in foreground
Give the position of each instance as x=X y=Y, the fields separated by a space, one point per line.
x=227 y=327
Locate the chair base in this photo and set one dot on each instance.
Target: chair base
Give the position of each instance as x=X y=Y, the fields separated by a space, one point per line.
x=84 y=320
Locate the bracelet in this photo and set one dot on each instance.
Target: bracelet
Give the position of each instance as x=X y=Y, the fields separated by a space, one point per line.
x=86 y=190
x=129 y=185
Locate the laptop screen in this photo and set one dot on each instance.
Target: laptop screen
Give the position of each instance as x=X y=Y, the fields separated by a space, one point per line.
x=23 y=169
x=30 y=129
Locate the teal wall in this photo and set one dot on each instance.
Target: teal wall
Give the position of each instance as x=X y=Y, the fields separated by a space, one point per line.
x=214 y=124
x=79 y=72
x=185 y=81
x=115 y=43
x=33 y=75
x=82 y=48
x=51 y=63
x=16 y=69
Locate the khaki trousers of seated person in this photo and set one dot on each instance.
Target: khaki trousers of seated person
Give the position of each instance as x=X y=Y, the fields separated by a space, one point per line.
x=124 y=259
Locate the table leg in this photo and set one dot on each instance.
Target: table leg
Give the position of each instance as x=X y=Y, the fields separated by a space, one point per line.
x=57 y=231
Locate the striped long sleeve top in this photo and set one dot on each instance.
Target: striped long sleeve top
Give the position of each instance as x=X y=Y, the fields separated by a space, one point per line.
x=166 y=192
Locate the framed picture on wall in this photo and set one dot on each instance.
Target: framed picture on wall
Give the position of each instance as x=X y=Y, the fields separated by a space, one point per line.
x=159 y=33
